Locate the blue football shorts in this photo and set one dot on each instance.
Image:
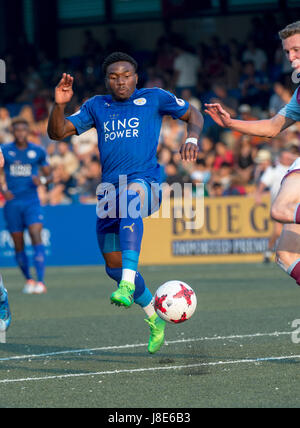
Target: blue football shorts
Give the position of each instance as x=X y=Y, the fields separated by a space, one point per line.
x=108 y=218
x=20 y=214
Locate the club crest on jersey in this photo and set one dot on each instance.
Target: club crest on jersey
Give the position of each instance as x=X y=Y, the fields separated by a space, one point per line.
x=140 y=101
x=31 y=154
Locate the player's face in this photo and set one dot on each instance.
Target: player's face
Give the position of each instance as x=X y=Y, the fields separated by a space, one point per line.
x=291 y=47
x=121 y=80
x=20 y=133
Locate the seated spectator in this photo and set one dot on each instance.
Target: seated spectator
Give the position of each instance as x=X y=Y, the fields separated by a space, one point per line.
x=65 y=157
x=187 y=95
x=5 y=122
x=222 y=97
x=85 y=145
x=223 y=154
x=215 y=189
x=255 y=55
x=235 y=187
x=88 y=180
x=200 y=172
x=263 y=160
x=59 y=190
x=173 y=133
x=154 y=79
x=254 y=86
x=245 y=113
x=244 y=162
x=279 y=99
x=186 y=68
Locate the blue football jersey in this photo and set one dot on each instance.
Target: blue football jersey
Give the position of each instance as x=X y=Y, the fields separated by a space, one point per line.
x=20 y=166
x=128 y=131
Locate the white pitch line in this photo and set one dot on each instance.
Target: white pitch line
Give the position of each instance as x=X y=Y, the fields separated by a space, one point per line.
x=137 y=345
x=148 y=369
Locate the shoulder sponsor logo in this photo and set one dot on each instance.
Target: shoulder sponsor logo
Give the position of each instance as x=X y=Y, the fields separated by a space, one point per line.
x=140 y=101
x=180 y=102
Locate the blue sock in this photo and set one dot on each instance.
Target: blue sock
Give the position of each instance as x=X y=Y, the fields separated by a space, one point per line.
x=39 y=261
x=131 y=229
x=142 y=295
x=22 y=261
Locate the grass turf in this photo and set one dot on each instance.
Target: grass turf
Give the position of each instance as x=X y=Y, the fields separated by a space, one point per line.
x=71 y=348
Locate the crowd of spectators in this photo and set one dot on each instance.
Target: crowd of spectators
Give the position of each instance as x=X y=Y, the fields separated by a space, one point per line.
x=251 y=79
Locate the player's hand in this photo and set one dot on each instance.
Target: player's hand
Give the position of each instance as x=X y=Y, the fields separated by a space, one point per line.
x=218 y=114
x=8 y=195
x=189 y=152
x=1 y=160
x=36 y=180
x=64 y=90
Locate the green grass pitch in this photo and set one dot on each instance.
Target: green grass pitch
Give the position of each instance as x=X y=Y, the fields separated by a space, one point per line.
x=72 y=348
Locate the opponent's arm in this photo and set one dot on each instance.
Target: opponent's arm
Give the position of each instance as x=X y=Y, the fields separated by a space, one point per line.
x=262 y=128
x=194 y=119
x=58 y=127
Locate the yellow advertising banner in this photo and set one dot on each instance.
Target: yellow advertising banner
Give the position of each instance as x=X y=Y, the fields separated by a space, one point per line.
x=232 y=229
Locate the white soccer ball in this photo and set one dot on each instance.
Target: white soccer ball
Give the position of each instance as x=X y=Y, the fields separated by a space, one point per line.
x=175 y=301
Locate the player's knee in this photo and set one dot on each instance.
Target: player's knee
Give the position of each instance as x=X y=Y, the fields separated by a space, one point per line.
x=279 y=213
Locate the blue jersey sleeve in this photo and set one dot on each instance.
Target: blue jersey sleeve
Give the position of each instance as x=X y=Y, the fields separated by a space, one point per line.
x=170 y=105
x=43 y=158
x=83 y=120
x=292 y=109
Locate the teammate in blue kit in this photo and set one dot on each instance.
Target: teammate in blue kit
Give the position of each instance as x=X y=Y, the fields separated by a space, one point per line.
x=22 y=210
x=5 y=315
x=128 y=122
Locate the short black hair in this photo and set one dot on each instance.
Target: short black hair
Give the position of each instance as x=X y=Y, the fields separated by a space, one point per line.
x=116 y=57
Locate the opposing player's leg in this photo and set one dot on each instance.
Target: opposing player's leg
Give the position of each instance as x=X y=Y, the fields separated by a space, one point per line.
x=276 y=232
x=286 y=207
x=5 y=314
x=288 y=251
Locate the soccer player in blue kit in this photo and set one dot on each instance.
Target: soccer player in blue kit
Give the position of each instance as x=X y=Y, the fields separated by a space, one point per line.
x=5 y=315
x=23 y=161
x=128 y=122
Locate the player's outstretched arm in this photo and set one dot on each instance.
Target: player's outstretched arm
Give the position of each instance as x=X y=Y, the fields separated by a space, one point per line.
x=261 y=128
x=58 y=127
x=194 y=119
